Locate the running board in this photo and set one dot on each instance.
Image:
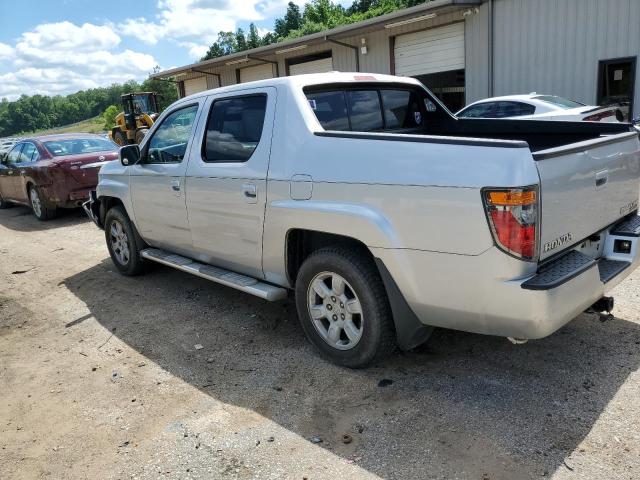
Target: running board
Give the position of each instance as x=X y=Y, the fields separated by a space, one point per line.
x=215 y=274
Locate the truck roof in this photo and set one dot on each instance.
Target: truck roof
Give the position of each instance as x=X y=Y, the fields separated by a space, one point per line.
x=298 y=81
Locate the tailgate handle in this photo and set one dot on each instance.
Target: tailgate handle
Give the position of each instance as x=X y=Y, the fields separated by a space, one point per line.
x=602 y=178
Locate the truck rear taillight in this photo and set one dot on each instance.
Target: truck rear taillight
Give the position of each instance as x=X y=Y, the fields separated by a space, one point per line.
x=512 y=214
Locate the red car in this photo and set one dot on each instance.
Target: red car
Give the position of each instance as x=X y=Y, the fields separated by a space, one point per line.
x=53 y=171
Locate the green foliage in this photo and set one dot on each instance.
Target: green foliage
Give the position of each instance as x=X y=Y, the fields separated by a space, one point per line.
x=318 y=15
x=109 y=116
x=39 y=112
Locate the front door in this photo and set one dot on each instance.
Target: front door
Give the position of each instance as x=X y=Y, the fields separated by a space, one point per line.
x=10 y=174
x=157 y=181
x=226 y=180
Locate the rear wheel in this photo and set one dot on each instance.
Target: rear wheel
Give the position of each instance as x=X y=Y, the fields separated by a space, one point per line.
x=120 y=138
x=343 y=307
x=122 y=242
x=39 y=205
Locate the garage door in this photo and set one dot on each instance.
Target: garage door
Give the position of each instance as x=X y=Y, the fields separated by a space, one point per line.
x=195 y=85
x=315 y=66
x=259 y=72
x=430 y=51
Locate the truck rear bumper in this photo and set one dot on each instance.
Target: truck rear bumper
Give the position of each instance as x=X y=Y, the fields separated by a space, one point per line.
x=494 y=294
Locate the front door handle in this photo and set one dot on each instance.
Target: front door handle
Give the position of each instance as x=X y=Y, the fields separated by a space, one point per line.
x=175 y=186
x=250 y=192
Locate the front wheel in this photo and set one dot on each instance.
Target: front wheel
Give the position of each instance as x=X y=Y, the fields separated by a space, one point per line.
x=121 y=242
x=40 y=208
x=343 y=307
x=120 y=138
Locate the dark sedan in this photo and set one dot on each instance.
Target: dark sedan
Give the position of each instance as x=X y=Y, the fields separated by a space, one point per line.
x=53 y=171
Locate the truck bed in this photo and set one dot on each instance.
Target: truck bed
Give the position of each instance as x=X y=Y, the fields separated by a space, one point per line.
x=539 y=134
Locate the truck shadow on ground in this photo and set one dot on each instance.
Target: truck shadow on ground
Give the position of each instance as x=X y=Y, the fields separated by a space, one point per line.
x=463 y=403
x=21 y=219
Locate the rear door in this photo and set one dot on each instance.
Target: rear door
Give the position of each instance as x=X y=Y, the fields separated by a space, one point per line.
x=157 y=181
x=28 y=156
x=226 y=179
x=585 y=187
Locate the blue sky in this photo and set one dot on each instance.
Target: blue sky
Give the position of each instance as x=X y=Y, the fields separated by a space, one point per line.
x=58 y=47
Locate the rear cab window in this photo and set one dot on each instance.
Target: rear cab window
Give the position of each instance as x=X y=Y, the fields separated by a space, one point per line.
x=378 y=108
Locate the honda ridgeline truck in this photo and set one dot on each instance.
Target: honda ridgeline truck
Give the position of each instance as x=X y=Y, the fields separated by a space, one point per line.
x=385 y=214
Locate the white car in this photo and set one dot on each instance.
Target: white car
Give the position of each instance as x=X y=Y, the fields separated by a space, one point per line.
x=539 y=107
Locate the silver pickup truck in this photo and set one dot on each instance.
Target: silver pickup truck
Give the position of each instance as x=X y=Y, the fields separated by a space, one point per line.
x=383 y=213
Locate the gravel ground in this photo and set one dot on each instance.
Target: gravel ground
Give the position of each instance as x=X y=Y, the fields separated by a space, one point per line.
x=170 y=376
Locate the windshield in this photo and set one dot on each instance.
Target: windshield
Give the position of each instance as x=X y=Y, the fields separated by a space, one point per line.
x=143 y=104
x=79 y=146
x=559 y=101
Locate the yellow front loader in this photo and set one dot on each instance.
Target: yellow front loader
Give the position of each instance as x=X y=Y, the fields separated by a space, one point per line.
x=140 y=110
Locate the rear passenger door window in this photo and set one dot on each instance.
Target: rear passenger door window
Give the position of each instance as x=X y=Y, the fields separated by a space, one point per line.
x=28 y=152
x=234 y=128
x=513 y=109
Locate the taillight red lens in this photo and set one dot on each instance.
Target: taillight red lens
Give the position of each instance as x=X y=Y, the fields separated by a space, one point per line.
x=513 y=219
x=596 y=117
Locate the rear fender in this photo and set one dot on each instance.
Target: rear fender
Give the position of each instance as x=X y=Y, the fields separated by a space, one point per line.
x=359 y=222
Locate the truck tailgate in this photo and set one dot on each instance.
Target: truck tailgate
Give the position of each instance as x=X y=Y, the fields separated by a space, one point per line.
x=586 y=186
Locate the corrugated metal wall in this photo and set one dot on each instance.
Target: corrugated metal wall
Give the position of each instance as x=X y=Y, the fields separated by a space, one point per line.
x=476 y=40
x=550 y=46
x=553 y=46
x=377 y=59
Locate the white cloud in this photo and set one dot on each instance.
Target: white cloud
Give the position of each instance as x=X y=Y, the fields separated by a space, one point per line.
x=196 y=50
x=197 y=22
x=6 y=51
x=61 y=58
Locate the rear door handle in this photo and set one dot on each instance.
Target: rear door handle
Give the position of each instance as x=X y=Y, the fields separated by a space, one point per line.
x=601 y=179
x=250 y=192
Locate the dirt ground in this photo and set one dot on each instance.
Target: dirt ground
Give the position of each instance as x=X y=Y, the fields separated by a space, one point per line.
x=170 y=376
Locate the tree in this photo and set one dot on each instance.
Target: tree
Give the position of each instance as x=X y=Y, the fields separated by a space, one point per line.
x=291 y=21
x=241 y=41
x=109 y=116
x=253 y=38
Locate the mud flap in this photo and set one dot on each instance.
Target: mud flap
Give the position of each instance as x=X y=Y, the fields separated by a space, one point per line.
x=410 y=331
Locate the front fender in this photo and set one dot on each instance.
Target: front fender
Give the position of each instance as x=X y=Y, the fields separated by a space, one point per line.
x=114 y=182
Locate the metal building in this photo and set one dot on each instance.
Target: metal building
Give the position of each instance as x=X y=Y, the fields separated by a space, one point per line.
x=464 y=50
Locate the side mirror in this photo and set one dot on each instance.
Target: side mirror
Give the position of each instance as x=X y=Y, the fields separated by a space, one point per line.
x=129 y=155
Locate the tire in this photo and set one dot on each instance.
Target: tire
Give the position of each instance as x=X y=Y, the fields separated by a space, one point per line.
x=123 y=243
x=120 y=138
x=140 y=135
x=41 y=209
x=364 y=337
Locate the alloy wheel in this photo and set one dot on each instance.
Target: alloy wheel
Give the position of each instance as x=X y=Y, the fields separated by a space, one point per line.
x=119 y=242
x=335 y=310
x=35 y=202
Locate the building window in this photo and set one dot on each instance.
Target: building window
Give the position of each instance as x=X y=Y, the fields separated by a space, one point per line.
x=616 y=80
